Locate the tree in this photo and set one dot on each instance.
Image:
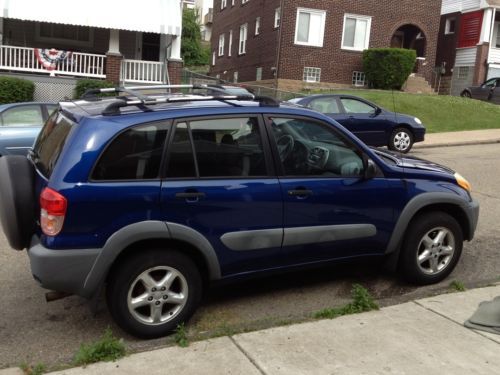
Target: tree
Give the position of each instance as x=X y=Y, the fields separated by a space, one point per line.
x=192 y=51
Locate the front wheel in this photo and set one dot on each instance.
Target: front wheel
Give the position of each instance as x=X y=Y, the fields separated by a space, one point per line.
x=401 y=140
x=431 y=248
x=151 y=293
x=466 y=94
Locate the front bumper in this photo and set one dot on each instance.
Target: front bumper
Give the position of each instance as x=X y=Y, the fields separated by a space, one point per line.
x=61 y=270
x=472 y=212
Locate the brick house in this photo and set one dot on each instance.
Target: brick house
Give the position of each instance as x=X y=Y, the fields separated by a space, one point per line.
x=297 y=43
x=469 y=43
x=56 y=42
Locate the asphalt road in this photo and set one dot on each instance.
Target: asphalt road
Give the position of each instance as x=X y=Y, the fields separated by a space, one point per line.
x=33 y=331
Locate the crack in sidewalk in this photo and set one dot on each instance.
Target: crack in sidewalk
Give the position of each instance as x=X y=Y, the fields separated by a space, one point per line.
x=249 y=357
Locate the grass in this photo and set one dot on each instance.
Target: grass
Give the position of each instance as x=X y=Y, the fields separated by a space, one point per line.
x=361 y=301
x=457 y=286
x=439 y=113
x=181 y=336
x=107 y=348
x=37 y=369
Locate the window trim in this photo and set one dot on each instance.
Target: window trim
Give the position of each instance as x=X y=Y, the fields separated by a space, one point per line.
x=222 y=40
x=447 y=26
x=257 y=26
x=277 y=18
x=311 y=67
x=230 y=43
x=266 y=148
x=244 y=50
x=320 y=12
x=223 y=4
x=368 y=31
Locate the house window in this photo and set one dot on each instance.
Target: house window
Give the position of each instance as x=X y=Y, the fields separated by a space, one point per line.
x=230 y=47
x=223 y=4
x=221 y=45
x=312 y=74
x=258 y=75
x=450 y=25
x=244 y=1
x=235 y=77
x=277 y=17
x=356 y=34
x=310 y=27
x=257 y=26
x=59 y=33
x=232 y=3
x=358 y=79
x=463 y=72
x=243 y=39
x=213 y=58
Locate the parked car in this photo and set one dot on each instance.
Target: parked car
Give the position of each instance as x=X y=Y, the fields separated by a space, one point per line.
x=228 y=90
x=372 y=124
x=20 y=124
x=488 y=91
x=153 y=199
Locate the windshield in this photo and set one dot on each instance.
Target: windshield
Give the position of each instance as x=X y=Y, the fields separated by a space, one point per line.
x=50 y=142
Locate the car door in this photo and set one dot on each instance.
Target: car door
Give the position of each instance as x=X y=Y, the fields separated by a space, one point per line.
x=483 y=92
x=366 y=121
x=330 y=210
x=495 y=93
x=20 y=127
x=220 y=183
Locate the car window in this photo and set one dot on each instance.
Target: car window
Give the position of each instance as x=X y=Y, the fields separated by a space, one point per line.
x=490 y=83
x=310 y=148
x=325 y=105
x=51 y=108
x=134 y=155
x=26 y=115
x=181 y=159
x=356 y=106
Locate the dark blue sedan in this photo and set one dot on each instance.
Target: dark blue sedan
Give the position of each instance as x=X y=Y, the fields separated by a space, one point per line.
x=20 y=124
x=372 y=124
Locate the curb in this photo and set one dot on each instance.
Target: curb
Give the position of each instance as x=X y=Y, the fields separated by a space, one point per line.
x=461 y=143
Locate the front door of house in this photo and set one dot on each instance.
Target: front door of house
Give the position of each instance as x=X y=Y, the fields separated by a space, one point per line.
x=150 y=46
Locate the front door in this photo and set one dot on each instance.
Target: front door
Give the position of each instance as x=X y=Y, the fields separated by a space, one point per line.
x=220 y=182
x=330 y=210
x=150 y=46
x=484 y=91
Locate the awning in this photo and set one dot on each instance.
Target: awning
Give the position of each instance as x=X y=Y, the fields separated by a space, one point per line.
x=154 y=16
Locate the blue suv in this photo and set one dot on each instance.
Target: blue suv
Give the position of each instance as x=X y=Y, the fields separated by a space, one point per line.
x=153 y=197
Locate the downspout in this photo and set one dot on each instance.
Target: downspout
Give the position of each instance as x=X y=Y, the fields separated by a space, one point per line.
x=278 y=52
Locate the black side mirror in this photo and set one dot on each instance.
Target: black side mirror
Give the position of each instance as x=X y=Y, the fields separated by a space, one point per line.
x=371 y=169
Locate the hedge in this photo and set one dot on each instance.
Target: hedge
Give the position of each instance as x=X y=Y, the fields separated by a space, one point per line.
x=388 y=68
x=84 y=84
x=16 y=90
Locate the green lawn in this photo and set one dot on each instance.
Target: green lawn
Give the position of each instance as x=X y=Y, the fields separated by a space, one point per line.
x=439 y=113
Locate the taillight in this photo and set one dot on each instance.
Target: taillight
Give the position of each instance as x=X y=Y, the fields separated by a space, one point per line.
x=52 y=211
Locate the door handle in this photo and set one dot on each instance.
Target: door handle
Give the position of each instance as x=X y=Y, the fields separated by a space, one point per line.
x=300 y=192
x=190 y=196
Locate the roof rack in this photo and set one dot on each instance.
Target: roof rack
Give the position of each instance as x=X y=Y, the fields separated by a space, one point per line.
x=140 y=100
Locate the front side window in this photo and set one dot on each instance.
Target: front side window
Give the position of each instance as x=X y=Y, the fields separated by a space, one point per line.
x=135 y=154
x=357 y=106
x=325 y=105
x=309 y=148
x=243 y=39
x=26 y=115
x=356 y=35
x=310 y=27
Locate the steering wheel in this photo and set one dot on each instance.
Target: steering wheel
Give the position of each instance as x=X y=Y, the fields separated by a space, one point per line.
x=285 y=146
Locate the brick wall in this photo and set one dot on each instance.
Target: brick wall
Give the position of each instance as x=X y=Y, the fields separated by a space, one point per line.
x=448 y=43
x=336 y=64
x=113 y=68
x=175 y=71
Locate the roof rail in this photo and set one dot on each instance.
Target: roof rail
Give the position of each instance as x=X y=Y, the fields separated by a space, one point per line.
x=141 y=100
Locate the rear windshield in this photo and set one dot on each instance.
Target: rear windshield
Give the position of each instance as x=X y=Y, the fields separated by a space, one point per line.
x=50 y=142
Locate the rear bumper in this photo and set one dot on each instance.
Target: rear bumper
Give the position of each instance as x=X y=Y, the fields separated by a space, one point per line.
x=61 y=270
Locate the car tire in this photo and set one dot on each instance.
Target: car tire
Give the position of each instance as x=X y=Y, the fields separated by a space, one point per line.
x=401 y=140
x=431 y=248
x=17 y=200
x=143 y=306
x=466 y=94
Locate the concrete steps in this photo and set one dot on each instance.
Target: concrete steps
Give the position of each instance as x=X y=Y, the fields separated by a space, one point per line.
x=418 y=85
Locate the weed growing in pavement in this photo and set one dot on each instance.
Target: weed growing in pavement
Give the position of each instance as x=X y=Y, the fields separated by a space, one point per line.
x=361 y=301
x=181 y=336
x=37 y=369
x=107 y=348
x=458 y=286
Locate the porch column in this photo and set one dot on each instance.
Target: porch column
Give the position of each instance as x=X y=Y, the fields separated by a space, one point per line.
x=483 y=47
x=1 y=31
x=175 y=62
x=114 y=58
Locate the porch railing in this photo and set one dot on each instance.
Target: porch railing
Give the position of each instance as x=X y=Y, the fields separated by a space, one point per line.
x=23 y=59
x=143 y=71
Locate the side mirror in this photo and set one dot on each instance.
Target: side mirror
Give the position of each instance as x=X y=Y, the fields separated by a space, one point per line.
x=371 y=169
x=378 y=111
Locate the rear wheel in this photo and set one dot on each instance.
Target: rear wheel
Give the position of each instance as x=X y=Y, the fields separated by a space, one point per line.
x=466 y=94
x=431 y=248
x=149 y=294
x=401 y=140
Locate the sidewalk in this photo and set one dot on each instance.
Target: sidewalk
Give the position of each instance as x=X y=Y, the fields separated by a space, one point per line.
x=425 y=336
x=470 y=137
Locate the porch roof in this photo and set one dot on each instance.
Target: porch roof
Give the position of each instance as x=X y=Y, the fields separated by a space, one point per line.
x=159 y=16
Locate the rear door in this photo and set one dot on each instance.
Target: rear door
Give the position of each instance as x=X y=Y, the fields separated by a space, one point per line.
x=220 y=182
x=330 y=210
x=20 y=126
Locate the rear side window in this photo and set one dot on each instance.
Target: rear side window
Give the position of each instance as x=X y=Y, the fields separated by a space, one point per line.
x=50 y=142
x=134 y=155
x=25 y=115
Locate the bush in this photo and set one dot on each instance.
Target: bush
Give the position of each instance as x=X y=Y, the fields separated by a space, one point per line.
x=388 y=68
x=84 y=84
x=14 y=90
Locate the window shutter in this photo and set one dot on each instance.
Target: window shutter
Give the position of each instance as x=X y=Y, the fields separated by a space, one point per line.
x=470 y=29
